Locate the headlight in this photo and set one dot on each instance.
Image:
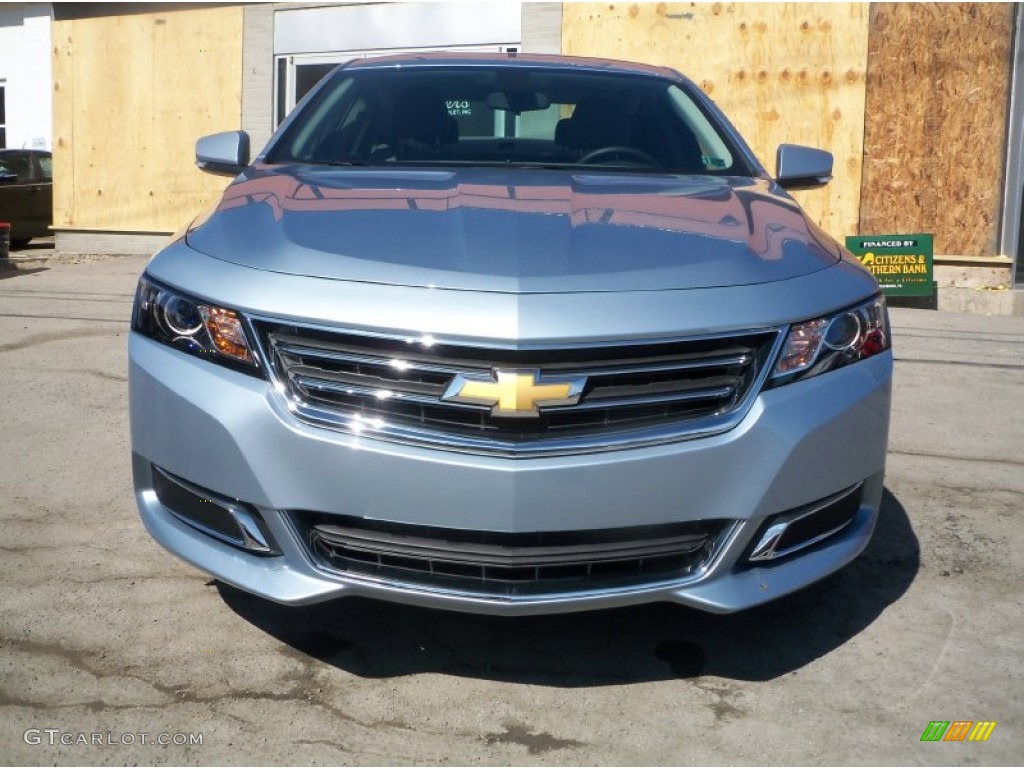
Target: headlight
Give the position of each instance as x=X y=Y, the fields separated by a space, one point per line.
x=192 y=326
x=830 y=342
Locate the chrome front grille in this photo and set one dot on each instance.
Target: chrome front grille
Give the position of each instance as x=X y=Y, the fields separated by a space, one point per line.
x=634 y=393
x=493 y=564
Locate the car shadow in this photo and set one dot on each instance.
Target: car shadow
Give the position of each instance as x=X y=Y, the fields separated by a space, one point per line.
x=662 y=641
x=35 y=244
x=12 y=271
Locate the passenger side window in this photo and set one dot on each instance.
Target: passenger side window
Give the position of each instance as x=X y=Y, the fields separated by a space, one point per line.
x=46 y=167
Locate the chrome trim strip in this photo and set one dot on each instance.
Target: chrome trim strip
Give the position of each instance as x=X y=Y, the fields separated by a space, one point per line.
x=682 y=365
x=252 y=535
x=379 y=393
x=381 y=361
x=673 y=397
x=765 y=549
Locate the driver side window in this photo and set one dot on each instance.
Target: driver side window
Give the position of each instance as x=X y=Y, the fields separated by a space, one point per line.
x=19 y=165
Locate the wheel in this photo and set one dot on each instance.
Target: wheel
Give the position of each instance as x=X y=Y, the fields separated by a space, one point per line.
x=637 y=154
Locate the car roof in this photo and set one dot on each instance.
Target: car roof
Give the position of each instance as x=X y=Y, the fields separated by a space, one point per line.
x=511 y=60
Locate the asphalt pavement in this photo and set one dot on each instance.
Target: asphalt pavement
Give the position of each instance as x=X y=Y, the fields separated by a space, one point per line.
x=113 y=652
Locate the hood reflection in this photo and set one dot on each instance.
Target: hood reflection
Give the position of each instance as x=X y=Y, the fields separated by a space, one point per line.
x=547 y=224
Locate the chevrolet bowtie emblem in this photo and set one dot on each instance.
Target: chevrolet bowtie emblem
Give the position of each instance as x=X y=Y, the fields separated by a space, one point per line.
x=514 y=392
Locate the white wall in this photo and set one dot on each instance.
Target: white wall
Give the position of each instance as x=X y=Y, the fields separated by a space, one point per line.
x=381 y=26
x=26 y=71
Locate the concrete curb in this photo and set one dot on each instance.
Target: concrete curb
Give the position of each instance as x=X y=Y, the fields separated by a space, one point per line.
x=50 y=259
x=982 y=302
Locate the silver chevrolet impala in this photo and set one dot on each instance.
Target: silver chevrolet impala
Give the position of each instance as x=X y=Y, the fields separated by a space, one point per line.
x=509 y=334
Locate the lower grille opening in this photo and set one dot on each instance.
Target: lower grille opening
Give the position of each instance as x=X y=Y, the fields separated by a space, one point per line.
x=509 y=564
x=223 y=519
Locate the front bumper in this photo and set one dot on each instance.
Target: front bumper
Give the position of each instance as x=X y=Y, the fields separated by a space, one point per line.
x=230 y=433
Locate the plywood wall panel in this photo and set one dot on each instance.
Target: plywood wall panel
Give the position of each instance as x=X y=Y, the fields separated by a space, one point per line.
x=937 y=100
x=63 y=125
x=132 y=95
x=782 y=72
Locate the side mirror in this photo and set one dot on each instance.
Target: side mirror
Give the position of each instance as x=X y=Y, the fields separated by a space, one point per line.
x=802 y=167
x=8 y=178
x=224 y=154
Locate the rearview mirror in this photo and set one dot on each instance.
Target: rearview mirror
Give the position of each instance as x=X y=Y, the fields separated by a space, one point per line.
x=224 y=154
x=518 y=101
x=802 y=167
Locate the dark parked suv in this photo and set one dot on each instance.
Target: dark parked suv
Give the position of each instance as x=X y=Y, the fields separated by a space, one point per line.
x=26 y=193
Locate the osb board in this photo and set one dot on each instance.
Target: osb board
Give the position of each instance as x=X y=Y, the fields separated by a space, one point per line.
x=938 y=94
x=782 y=72
x=132 y=94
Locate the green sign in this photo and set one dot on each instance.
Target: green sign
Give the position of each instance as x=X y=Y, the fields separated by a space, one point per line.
x=902 y=264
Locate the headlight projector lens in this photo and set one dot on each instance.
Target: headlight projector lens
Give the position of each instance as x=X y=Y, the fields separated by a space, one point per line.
x=843 y=332
x=181 y=316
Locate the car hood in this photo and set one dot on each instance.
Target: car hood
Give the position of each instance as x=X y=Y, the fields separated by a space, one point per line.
x=513 y=230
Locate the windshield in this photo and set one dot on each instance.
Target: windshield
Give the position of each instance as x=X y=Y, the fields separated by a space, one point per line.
x=507 y=116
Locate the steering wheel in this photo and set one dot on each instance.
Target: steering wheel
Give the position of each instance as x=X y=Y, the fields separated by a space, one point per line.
x=638 y=154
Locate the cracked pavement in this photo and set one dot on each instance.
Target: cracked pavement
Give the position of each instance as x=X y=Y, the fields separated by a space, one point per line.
x=102 y=632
